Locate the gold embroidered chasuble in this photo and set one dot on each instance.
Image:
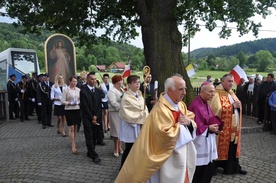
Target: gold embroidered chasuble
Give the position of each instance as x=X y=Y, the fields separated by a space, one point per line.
x=155 y=144
x=222 y=107
x=133 y=110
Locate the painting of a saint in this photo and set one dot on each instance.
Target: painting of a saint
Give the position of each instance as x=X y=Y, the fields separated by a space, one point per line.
x=60 y=57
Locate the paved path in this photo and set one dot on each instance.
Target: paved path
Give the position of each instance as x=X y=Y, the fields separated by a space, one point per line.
x=30 y=154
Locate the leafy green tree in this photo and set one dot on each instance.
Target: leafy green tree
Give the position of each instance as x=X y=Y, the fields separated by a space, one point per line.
x=82 y=62
x=211 y=60
x=264 y=58
x=136 y=62
x=92 y=68
x=273 y=53
x=41 y=59
x=92 y=59
x=112 y=55
x=19 y=44
x=252 y=61
x=222 y=64
x=99 y=51
x=159 y=20
x=202 y=65
x=233 y=61
x=4 y=44
x=242 y=58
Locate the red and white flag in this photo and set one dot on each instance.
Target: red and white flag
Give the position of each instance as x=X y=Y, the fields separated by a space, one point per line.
x=126 y=72
x=238 y=73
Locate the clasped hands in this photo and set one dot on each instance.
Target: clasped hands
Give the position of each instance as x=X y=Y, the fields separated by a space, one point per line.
x=74 y=102
x=184 y=120
x=237 y=104
x=214 y=128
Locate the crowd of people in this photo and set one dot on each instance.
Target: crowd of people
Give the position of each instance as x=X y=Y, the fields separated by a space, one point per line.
x=164 y=140
x=256 y=98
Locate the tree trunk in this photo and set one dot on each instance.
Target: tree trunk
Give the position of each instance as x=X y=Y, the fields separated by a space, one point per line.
x=162 y=42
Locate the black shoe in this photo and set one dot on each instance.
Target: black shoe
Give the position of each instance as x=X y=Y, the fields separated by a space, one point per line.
x=39 y=122
x=101 y=143
x=50 y=125
x=43 y=126
x=27 y=119
x=88 y=155
x=22 y=120
x=12 y=118
x=273 y=133
x=97 y=160
x=242 y=171
x=260 y=122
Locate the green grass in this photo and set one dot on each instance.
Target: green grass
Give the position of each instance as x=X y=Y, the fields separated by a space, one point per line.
x=196 y=80
x=200 y=76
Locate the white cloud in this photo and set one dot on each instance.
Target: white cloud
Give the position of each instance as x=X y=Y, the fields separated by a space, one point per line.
x=205 y=38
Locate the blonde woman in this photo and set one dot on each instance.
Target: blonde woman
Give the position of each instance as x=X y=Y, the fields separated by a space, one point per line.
x=56 y=94
x=71 y=100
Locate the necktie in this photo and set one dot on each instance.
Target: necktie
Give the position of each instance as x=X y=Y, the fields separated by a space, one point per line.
x=136 y=95
x=148 y=87
x=92 y=90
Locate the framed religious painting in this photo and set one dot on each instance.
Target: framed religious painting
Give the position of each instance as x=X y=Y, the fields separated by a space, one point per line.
x=60 y=57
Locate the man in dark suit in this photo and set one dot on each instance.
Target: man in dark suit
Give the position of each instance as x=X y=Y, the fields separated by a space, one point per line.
x=44 y=100
x=251 y=90
x=38 y=108
x=12 y=97
x=32 y=93
x=150 y=93
x=90 y=100
x=23 y=96
x=265 y=90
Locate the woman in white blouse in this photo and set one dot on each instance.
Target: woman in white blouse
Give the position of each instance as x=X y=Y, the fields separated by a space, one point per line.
x=71 y=100
x=114 y=96
x=56 y=94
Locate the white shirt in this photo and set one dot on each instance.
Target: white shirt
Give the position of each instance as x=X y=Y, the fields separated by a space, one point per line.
x=250 y=88
x=129 y=131
x=103 y=86
x=57 y=93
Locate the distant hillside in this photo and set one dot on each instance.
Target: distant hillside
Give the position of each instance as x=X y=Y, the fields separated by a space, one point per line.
x=249 y=47
x=98 y=54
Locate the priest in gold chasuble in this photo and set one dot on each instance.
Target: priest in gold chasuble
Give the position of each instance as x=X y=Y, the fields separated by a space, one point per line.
x=164 y=150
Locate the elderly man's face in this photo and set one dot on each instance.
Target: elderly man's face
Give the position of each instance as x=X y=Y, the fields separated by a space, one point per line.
x=208 y=92
x=180 y=90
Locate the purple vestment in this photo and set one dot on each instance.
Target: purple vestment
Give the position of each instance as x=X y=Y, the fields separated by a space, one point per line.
x=203 y=113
